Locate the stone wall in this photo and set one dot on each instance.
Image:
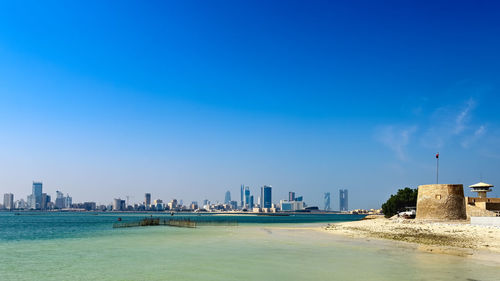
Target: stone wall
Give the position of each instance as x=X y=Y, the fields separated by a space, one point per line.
x=441 y=202
x=475 y=211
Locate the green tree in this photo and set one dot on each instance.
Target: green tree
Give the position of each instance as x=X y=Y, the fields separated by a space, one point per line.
x=406 y=197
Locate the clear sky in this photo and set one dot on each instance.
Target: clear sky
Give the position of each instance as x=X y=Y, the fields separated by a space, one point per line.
x=188 y=99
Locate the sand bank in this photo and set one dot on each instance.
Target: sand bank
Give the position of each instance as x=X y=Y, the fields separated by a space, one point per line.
x=459 y=238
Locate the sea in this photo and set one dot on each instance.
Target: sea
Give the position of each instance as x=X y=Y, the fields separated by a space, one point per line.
x=85 y=246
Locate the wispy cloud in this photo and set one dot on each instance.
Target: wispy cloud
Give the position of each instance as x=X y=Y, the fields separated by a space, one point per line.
x=463 y=117
x=449 y=124
x=478 y=133
x=446 y=124
x=396 y=138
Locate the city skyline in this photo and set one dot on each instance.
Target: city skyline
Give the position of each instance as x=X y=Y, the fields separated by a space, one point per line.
x=163 y=98
x=38 y=200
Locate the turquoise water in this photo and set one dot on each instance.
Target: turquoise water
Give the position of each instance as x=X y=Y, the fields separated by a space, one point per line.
x=43 y=225
x=85 y=247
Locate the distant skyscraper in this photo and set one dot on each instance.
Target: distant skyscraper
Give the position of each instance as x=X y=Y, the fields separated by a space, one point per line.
x=234 y=205
x=118 y=204
x=250 y=205
x=266 y=196
x=291 y=196
x=194 y=205
x=206 y=202
x=60 y=200
x=147 y=199
x=68 y=201
x=343 y=200
x=45 y=201
x=241 y=195
x=227 y=198
x=36 y=200
x=8 y=201
x=247 y=196
x=327 y=201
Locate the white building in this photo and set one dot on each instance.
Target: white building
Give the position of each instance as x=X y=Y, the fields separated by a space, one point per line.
x=291 y=206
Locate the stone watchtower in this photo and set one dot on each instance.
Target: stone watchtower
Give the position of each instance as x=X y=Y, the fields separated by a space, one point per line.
x=481 y=189
x=441 y=202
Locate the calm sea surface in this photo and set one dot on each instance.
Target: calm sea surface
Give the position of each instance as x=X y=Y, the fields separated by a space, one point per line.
x=77 y=246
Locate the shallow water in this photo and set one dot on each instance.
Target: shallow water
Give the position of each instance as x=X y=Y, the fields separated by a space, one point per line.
x=244 y=252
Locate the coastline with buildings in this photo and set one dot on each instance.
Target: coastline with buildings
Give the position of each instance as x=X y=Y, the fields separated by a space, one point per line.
x=257 y=251
x=447 y=222
x=354 y=238
x=40 y=201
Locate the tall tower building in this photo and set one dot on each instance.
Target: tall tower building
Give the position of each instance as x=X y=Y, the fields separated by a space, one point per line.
x=343 y=200
x=147 y=199
x=247 y=197
x=117 y=204
x=291 y=196
x=241 y=196
x=227 y=198
x=327 y=201
x=45 y=201
x=266 y=196
x=36 y=200
x=68 y=201
x=8 y=201
x=59 y=200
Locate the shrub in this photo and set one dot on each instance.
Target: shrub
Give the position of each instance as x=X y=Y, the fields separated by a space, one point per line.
x=406 y=197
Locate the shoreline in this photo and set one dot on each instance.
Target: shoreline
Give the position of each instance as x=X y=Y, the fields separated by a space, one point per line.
x=457 y=238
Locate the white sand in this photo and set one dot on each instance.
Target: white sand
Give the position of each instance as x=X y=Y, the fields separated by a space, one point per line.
x=458 y=238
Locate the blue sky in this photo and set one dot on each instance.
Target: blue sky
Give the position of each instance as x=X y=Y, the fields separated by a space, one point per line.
x=188 y=99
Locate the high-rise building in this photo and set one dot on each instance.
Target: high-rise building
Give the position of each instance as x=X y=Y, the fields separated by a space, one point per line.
x=250 y=205
x=291 y=196
x=266 y=196
x=242 y=196
x=343 y=200
x=147 y=199
x=227 y=198
x=234 y=205
x=173 y=204
x=30 y=201
x=45 y=201
x=247 y=197
x=158 y=204
x=194 y=205
x=89 y=206
x=327 y=201
x=36 y=200
x=21 y=204
x=68 y=201
x=8 y=201
x=59 y=200
x=118 y=204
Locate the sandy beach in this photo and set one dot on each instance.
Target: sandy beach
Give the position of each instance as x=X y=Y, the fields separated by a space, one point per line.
x=457 y=238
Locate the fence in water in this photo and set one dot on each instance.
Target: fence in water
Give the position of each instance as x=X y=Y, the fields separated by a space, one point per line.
x=179 y=222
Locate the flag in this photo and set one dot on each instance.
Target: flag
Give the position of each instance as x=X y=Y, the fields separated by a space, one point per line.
x=437 y=155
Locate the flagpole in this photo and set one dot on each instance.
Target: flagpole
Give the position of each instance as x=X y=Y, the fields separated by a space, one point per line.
x=437 y=168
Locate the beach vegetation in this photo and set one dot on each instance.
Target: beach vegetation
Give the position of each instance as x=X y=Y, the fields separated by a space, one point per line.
x=406 y=197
